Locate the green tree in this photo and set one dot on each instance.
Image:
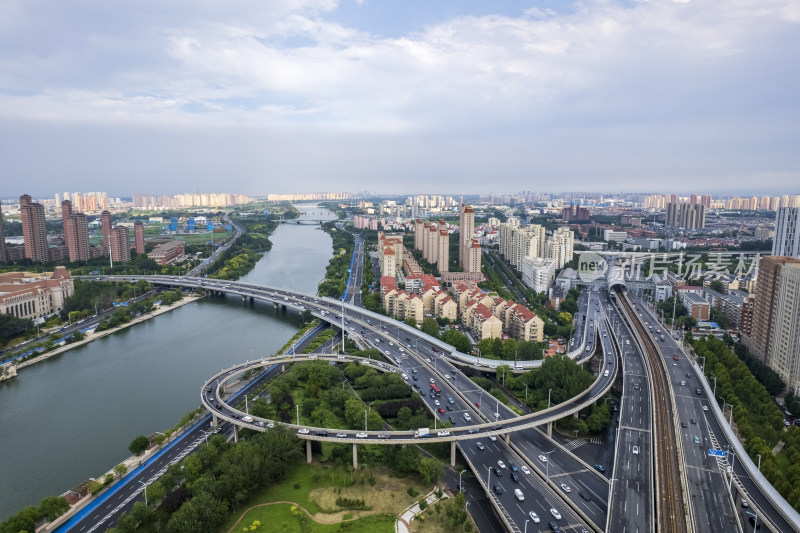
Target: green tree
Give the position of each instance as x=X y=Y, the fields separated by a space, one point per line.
x=431 y=327
x=53 y=507
x=138 y=445
x=430 y=469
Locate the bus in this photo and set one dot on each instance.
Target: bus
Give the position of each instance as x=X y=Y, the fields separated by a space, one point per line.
x=436 y=390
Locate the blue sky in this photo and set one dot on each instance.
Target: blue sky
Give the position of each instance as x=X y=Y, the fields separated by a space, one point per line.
x=399 y=97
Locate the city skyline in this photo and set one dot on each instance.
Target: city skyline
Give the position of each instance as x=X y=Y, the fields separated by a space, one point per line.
x=293 y=96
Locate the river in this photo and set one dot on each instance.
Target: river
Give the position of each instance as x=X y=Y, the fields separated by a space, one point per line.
x=73 y=416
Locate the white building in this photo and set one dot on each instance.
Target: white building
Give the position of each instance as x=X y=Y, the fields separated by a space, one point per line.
x=616 y=236
x=787 y=232
x=538 y=273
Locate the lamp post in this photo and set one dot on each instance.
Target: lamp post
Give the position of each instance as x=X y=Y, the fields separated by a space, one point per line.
x=526 y=391
x=548 y=397
x=724 y=403
x=703 y=367
x=246 y=410
x=526 y=525
x=488 y=476
x=145 y=492
x=547 y=465
x=298 y=414
x=759 y=461
x=459 y=479
x=715 y=383
x=365 y=420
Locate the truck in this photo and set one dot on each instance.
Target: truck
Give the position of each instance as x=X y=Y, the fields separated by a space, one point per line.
x=422 y=432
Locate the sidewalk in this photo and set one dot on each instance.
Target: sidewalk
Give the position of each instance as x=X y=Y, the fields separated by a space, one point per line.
x=402 y=525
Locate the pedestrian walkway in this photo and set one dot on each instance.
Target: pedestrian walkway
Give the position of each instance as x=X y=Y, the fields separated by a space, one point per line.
x=778 y=447
x=577 y=443
x=403 y=523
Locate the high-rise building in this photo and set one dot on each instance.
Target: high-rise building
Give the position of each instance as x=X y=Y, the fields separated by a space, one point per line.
x=138 y=236
x=686 y=215
x=76 y=235
x=467 y=232
x=766 y=303
x=787 y=232
x=120 y=244
x=418 y=228
x=34 y=229
x=2 y=237
x=784 y=358
x=473 y=257
x=66 y=212
x=105 y=218
x=444 y=249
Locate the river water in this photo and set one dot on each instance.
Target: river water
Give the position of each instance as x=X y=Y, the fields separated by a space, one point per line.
x=73 y=416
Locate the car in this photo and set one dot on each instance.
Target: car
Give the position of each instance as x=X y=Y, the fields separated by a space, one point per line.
x=448 y=376
x=361 y=435
x=436 y=402
x=635 y=386
x=554 y=527
x=684 y=424
x=472 y=431
x=525 y=470
x=428 y=359
x=341 y=435
x=339 y=357
x=415 y=378
x=433 y=381
x=627 y=341
x=480 y=446
x=674 y=363
x=565 y=487
x=450 y=399
x=449 y=407
x=600 y=468
x=514 y=477
x=391 y=344
x=492 y=438
x=498 y=489
x=416 y=385
x=585 y=496
x=303 y=431
x=543 y=458
x=705 y=408
x=513 y=467
x=696 y=439
x=452 y=420
x=444 y=433
x=321 y=433
x=270 y=425
x=477 y=404
x=312 y=356
x=555 y=513
x=752 y=521
x=534 y=517
x=414 y=370
x=698 y=391
x=440 y=410
x=501 y=464
x=635 y=450
x=786 y=423
x=693 y=421
x=744 y=503
x=497 y=472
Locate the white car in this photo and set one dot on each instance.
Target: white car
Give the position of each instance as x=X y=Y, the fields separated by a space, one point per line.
x=555 y=513
x=501 y=464
x=565 y=487
x=433 y=380
x=534 y=517
x=428 y=359
x=391 y=344
x=635 y=450
x=302 y=431
x=447 y=376
x=492 y=438
x=339 y=357
x=525 y=470
x=361 y=435
x=543 y=458
x=436 y=402
x=705 y=408
x=444 y=433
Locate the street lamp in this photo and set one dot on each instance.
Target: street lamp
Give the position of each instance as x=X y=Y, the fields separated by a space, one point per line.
x=547 y=465
x=365 y=420
x=145 y=492
x=459 y=479
x=759 y=461
x=526 y=525
x=548 y=397
x=703 y=367
x=715 y=382
x=724 y=403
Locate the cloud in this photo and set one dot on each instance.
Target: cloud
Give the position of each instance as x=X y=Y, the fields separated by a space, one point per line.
x=699 y=78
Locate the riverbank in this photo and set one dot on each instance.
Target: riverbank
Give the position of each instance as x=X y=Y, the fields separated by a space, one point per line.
x=94 y=334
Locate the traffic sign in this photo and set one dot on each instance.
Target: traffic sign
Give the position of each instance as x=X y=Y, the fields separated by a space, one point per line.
x=716 y=453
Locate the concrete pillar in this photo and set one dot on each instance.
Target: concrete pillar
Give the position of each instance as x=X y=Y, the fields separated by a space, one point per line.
x=355 y=456
x=550 y=430
x=214 y=420
x=452 y=453
x=235 y=433
x=508 y=439
x=308 y=450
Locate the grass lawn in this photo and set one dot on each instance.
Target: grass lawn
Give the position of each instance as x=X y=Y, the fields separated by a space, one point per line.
x=783 y=460
x=316 y=488
x=280 y=518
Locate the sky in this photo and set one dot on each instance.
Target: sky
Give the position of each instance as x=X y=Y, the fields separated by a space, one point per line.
x=397 y=97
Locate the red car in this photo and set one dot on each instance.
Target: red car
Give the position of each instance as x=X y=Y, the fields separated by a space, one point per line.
x=441 y=410
x=477 y=404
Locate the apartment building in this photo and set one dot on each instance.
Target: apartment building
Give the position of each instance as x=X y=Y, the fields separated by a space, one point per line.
x=784 y=357
x=787 y=232
x=537 y=273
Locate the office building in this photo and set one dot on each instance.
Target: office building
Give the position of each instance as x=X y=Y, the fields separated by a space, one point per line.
x=787 y=232
x=76 y=235
x=34 y=229
x=166 y=253
x=105 y=218
x=35 y=295
x=138 y=236
x=467 y=232
x=120 y=244
x=784 y=358
x=765 y=307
